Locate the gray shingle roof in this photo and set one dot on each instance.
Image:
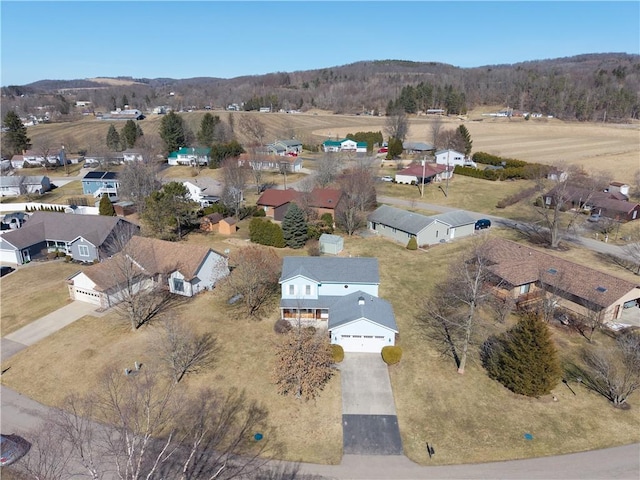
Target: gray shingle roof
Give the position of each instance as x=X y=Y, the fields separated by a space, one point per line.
x=374 y=309
x=400 y=219
x=332 y=270
x=454 y=219
x=17 y=180
x=62 y=226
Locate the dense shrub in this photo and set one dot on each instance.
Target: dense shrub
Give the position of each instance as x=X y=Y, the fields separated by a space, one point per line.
x=337 y=352
x=216 y=208
x=282 y=326
x=391 y=354
x=412 y=244
x=265 y=232
x=327 y=219
x=52 y=255
x=260 y=213
x=476 y=173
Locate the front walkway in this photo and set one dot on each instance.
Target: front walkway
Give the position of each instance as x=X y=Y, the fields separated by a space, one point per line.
x=369 y=421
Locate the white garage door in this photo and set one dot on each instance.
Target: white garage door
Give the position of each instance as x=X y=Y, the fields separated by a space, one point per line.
x=87 y=296
x=362 y=343
x=8 y=256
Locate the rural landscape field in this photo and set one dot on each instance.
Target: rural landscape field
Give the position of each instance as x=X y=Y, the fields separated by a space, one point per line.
x=598 y=147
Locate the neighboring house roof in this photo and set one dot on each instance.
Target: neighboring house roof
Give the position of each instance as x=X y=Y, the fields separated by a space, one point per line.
x=614 y=201
x=332 y=270
x=440 y=152
x=419 y=146
x=100 y=176
x=457 y=218
x=194 y=151
x=325 y=197
x=289 y=143
x=318 y=198
x=154 y=257
x=360 y=305
x=275 y=198
x=430 y=170
x=17 y=180
x=519 y=264
x=403 y=220
x=64 y=227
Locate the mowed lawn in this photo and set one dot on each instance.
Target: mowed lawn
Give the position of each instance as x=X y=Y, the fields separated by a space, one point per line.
x=33 y=291
x=468 y=418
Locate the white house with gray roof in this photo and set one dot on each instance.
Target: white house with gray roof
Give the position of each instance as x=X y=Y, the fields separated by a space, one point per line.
x=400 y=225
x=16 y=185
x=341 y=295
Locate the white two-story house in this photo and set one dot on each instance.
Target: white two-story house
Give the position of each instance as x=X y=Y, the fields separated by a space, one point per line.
x=341 y=295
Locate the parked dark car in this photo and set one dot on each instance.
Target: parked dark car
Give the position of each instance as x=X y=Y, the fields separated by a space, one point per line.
x=483 y=223
x=4 y=270
x=12 y=449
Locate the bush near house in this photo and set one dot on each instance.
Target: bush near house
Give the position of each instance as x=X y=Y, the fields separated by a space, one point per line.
x=265 y=232
x=391 y=354
x=412 y=244
x=337 y=352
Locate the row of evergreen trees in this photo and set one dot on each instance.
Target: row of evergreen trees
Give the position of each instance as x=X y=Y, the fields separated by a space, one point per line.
x=126 y=138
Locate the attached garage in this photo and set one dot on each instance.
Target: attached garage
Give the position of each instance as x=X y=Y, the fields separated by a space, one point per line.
x=87 y=296
x=8 y=256
x=362 y=323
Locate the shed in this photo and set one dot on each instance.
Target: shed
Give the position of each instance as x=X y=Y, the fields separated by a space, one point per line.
x=227 y=226
x=331 y=244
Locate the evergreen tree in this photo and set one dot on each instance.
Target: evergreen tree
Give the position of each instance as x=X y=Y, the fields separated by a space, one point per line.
x=129 y=134
x=113 y=139
x=294 y=227
x=173 y=132
x=207 y=132
x=395 y=148
x=466 y=139
x=14 y=138
x=106 y=207
x=524 y=359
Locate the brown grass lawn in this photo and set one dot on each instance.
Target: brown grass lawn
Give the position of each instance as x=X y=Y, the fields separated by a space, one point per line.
x=468 y=418
x=33 y=291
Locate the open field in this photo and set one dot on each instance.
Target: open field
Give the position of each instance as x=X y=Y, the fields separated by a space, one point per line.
x=468 y=418
x=613 y=148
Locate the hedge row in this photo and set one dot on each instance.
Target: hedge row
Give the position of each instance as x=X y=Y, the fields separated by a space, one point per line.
x=488 y=159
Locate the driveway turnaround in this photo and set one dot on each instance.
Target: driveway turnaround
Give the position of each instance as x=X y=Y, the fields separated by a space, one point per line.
x=369 y=421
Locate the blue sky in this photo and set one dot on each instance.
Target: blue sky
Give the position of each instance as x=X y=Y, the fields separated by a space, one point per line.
x=84 y=39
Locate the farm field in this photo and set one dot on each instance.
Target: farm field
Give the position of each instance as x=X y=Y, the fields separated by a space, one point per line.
x=613 y=148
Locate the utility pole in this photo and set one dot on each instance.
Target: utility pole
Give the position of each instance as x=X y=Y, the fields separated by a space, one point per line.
x=424 y=162
x=448 y=174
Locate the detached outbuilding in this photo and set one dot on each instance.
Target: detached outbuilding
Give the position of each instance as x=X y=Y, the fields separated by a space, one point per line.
x=331 y=244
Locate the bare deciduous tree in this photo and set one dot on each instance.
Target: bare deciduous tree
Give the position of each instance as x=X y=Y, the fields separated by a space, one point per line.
x=435 y=128
x=234 y=178
x=254 y=276
x=452 y=315
x=397 y=125
x=137 y=180
x=328 y=167
x=304 y=363
x=151 y=430
x=253 y=128
x=613 y=373
x=183 y=350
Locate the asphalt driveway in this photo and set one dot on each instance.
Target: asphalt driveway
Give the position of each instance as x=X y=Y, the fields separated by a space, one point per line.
x=369 y=421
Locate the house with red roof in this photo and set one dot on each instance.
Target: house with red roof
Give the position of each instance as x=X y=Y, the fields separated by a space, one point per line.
x=417 y=173
x=322 y=200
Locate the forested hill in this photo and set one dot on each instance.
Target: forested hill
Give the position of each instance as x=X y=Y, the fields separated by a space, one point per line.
x=585 y=87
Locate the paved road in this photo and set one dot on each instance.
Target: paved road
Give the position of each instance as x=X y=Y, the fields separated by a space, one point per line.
x=587 y=242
